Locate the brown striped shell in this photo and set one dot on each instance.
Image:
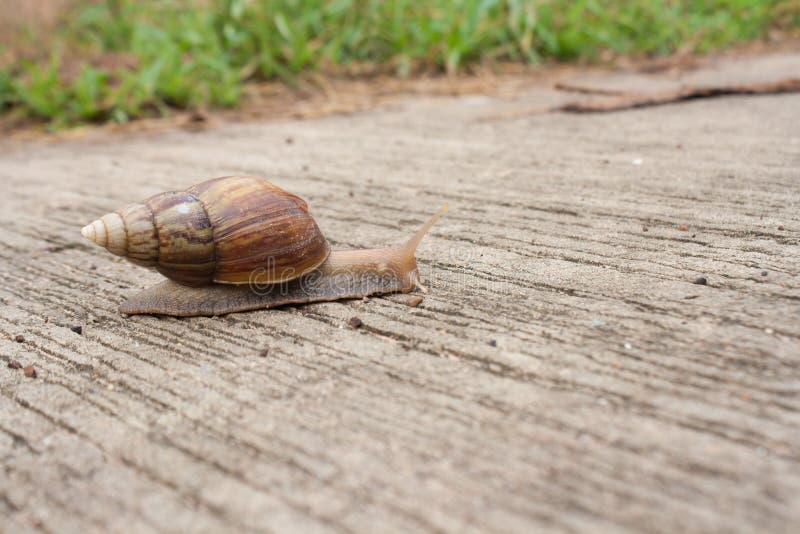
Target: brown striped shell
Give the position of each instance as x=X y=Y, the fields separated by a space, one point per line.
x=220 y=230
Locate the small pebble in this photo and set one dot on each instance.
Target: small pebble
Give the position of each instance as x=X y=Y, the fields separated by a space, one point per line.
x=19 y=338
x=492 y=342
x=769 y=331
x=414 y=301
x=628 y=346
x=683 y=228
x=289 y=140
x=264 y=352
x=29 y=371
x=637 y=161
x=355 y=322
x=701 y=281
x=78 y=329
x=14 y=364
x=645 y=229
x=781 y=228
x=764 y=273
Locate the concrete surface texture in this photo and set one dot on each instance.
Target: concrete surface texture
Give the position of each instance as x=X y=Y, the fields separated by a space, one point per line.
x=568 y=370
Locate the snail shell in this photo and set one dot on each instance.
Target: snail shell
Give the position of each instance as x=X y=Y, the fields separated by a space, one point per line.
x=218 y=231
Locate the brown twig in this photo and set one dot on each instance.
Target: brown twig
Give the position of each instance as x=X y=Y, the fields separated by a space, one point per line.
x=639 y=100
x=632 y=100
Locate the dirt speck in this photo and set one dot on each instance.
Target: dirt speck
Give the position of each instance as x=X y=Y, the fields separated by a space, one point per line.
x=78 y=329
x=290 y=140
x=264 y=352
x=701 y=281
x=29 y=371
x=14 y=364
x=198 y=119
x=355 y=322
x=492 y=342
x=198 y=115
x=19 y=338
x=645 y=229
x=414 y=301
x=683 y=228
x=764 y=273
x=781 y=228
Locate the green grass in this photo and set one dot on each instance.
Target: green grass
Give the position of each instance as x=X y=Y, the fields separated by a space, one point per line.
x=184 y=54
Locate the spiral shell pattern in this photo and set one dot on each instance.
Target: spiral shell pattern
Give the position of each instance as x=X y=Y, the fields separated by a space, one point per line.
x=220 y=230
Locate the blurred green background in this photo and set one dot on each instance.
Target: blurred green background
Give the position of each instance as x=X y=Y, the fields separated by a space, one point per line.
x=120 y=59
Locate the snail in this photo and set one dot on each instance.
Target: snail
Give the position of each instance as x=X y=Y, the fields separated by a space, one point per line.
x=240 y=243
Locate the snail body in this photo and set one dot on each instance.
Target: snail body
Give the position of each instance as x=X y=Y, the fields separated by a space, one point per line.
x=239 y=243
